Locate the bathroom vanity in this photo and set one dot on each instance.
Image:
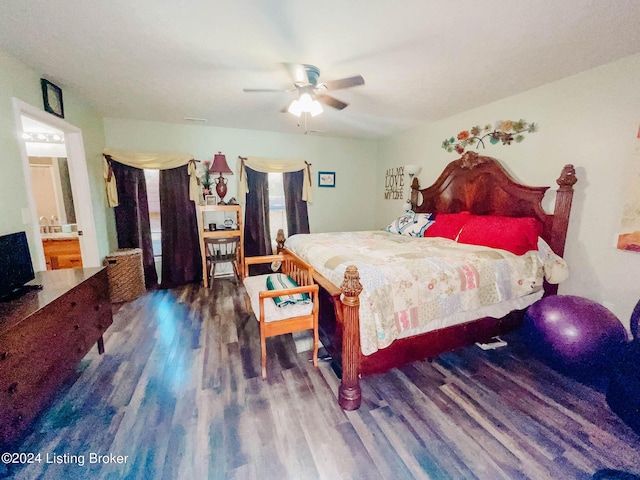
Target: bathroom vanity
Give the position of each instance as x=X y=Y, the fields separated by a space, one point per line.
x=62 y=250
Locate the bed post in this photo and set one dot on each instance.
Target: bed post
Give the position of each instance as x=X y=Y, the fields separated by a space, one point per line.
x=349 y=394
x=415 y=186
x=561 y=212
x=562 y=209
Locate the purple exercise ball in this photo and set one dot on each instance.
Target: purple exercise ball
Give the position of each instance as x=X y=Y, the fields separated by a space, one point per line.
x=575 y=333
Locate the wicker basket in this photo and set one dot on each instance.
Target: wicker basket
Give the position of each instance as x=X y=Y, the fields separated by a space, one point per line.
x=126 y=274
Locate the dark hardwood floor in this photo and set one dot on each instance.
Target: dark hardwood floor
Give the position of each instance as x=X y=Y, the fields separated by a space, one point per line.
x=179 y=394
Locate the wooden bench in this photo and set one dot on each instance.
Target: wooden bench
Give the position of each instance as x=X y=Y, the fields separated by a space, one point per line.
x=278 y=320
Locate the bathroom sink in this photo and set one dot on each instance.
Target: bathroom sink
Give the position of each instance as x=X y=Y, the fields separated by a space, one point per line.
x=59 y=231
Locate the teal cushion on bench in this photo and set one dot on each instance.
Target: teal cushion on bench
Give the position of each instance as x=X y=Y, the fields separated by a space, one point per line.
x=255 y=285
x=280 y=281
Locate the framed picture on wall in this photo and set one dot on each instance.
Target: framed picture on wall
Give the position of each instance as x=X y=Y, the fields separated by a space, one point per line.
x=52 y=98
x=326 y=179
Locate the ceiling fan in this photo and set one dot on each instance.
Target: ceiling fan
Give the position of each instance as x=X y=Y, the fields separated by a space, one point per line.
x=310 y=92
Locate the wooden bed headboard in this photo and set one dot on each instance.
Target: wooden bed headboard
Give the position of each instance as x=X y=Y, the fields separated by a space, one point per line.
x=482 y=186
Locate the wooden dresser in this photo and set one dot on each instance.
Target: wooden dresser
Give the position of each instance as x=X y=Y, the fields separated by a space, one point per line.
x=43 y=336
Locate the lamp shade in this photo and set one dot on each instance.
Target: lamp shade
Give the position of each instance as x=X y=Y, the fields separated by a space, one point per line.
x=412 y=169
x=220 y=164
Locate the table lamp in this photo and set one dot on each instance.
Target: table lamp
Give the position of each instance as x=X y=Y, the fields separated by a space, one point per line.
x=220 y=166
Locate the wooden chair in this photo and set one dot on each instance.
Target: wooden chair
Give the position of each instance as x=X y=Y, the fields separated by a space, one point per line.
x=222 y=250
x=278 y=320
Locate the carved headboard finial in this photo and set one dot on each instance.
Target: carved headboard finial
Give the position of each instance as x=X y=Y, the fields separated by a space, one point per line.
x=567 y=177
x=470 y=160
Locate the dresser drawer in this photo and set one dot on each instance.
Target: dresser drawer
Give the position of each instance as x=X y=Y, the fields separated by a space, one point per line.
x=87 y=312
x=29 y=377
x=40 y=352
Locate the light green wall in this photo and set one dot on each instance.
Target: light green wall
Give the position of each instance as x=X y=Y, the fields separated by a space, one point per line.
x=80 y=114
x=16 y=80
x=22 y=82
x=590 y=120
x=348 y=206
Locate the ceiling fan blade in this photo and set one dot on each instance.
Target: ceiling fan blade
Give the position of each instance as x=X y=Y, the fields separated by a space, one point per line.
x=263 y=90
x=332 y=102
x=344 y=83
x=298 y=73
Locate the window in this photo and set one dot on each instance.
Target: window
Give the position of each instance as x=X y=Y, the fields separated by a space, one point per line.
x=277 y=208
x=152 y=178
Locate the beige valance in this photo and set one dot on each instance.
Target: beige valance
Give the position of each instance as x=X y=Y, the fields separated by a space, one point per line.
x=152 y=161
x=269 y=165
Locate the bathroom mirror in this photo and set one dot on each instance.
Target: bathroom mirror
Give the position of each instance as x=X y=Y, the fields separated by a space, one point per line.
x=51 y=188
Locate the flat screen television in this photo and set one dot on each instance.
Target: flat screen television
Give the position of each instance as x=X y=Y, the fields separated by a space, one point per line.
x=16 y=268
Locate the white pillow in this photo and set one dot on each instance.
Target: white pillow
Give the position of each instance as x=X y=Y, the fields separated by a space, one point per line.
x=411 y=224
x=555 y=268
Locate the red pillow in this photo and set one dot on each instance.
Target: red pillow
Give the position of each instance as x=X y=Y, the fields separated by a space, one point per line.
x=447 y=225
x=516 y=235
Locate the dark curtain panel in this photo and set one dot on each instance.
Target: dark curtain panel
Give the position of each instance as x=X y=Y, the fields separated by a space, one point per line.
x=297 y=216
x=257 y=239
x=132 y=216
x=181 y=260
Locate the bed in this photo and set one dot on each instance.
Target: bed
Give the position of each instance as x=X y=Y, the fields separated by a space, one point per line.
x=473 y=185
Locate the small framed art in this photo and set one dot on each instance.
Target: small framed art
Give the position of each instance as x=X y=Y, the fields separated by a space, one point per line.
x=326 y=179
x=52 y=98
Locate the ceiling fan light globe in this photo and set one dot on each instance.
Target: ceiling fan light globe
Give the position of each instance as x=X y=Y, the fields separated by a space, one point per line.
x=305 y=102
x=316 y=108
x=295 y=108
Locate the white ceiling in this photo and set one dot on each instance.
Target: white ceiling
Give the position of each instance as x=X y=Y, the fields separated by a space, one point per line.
x=422 y=60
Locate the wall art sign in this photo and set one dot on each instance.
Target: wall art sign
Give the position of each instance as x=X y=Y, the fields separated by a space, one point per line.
x=394 y=183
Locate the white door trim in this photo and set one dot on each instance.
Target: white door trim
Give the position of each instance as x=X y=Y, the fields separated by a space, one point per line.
x=79 y=176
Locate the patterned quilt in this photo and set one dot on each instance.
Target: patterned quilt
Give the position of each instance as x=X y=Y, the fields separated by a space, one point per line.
x=408 y=281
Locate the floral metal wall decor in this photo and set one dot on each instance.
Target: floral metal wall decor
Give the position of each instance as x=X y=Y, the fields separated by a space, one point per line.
x=503 y=131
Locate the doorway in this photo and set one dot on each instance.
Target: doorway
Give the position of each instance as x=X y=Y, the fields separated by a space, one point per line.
x=52 y=193
x=71 y=148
